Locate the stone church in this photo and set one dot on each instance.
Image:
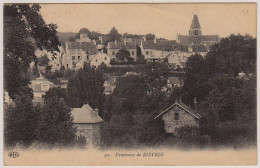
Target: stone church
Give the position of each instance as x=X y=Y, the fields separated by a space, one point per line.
x=196 y=39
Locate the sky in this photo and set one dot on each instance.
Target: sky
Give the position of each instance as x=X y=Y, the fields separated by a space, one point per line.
x=163 y=20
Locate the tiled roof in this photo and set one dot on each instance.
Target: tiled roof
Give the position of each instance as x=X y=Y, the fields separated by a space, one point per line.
x=160 y=45
x=85 y=115
x=121 y=45
x=184 y=107
x=195 y=23
x=174 y=80
x=188 y=39
x=85 y=46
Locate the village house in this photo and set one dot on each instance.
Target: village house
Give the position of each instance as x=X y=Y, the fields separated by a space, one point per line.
x=157 y=50
x=110 y=85
x=179 y=115
x=100 y=58
x=55 y=58
x=114 y=47
x=79 y=52
x=174 y=82
x=40 y=86
x=87 y=123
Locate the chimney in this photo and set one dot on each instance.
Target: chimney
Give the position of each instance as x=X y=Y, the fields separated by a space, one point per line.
x=195 y=104
x=96 y=111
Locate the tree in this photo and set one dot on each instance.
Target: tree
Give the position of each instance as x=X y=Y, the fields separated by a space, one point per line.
x=86 y=87
x=43 y=61
x=114 y=35
x=232 y=55
x=59 y=92
x=123 y=55
x=20 y=120
x=55 y=125
x=23 y=31
x=149 y=36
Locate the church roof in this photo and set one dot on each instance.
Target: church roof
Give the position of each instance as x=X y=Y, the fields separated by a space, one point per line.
x=184 y=107
x=85 y=115
x=195 y=23
x=198 y=39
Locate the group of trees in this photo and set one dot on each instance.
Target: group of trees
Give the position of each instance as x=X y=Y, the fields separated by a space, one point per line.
x=228 y=104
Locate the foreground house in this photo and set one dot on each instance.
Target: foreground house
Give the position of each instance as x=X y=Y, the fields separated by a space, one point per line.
x=87 y=123
x=178 y=115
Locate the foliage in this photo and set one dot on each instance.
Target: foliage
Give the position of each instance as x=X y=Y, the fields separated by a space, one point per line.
x=55 y=123
x=123 y=55
x=56 y=92
x=149 y=36
x=20 y=120
x=114 y=35
x=43 y=61
x=23 y=27
x=86 y=87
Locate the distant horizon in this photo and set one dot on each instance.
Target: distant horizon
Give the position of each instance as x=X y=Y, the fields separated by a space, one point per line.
x=163 y=20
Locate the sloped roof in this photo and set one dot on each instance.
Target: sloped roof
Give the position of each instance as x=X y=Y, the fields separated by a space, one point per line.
x=174 y=80
x=189 y=39
x=160 y=44
x=85 y=46
x=184 y=107
x=85 y=115
x=195 y=24
x=121 y=45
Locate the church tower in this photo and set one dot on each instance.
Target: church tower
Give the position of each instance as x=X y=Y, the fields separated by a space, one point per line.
x=195 y=29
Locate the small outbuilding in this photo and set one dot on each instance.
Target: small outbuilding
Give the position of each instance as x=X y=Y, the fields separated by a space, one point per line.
x=87 y=123
x=179 y=115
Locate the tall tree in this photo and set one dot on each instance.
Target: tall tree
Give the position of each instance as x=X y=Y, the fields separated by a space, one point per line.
x=55 y=123
x=24 y=31
x=114 y=35
x=20 y=120
x=86 y=86
x=149 y=36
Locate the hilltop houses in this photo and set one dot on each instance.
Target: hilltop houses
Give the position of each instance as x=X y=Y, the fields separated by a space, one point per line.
x=95 y=52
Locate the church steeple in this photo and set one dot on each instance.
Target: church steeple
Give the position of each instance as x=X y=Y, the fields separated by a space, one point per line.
x=195 y=27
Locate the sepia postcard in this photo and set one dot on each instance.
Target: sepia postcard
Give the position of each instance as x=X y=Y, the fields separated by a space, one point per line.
x=130 y=84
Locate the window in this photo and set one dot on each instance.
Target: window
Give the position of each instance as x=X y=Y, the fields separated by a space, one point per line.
x=105 y=58
x=78 y=57
x=67 y=65
x=147 y=52
x=96 y=60
x=113 y=53
x=73 y=57
x=176 y=116
x=45 y=87
x=196 y=32
x=87 y=56
x=53 y=58
x=133 y=52
x=58 y=64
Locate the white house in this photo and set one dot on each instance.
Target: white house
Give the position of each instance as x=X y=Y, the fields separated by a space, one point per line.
x=100 y=58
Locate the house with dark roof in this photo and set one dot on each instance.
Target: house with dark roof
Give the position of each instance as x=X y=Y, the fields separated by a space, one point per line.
x=78 y=53
x=179 y=115
x=156 y=50
x=173 y=82
x=87 y=123
x=195 y=37
x=114 y=47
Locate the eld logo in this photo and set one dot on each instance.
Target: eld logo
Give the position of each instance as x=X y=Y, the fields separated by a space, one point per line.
x=13 y=154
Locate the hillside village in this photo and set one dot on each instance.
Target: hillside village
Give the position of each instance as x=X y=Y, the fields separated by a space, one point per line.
x=127 y=90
